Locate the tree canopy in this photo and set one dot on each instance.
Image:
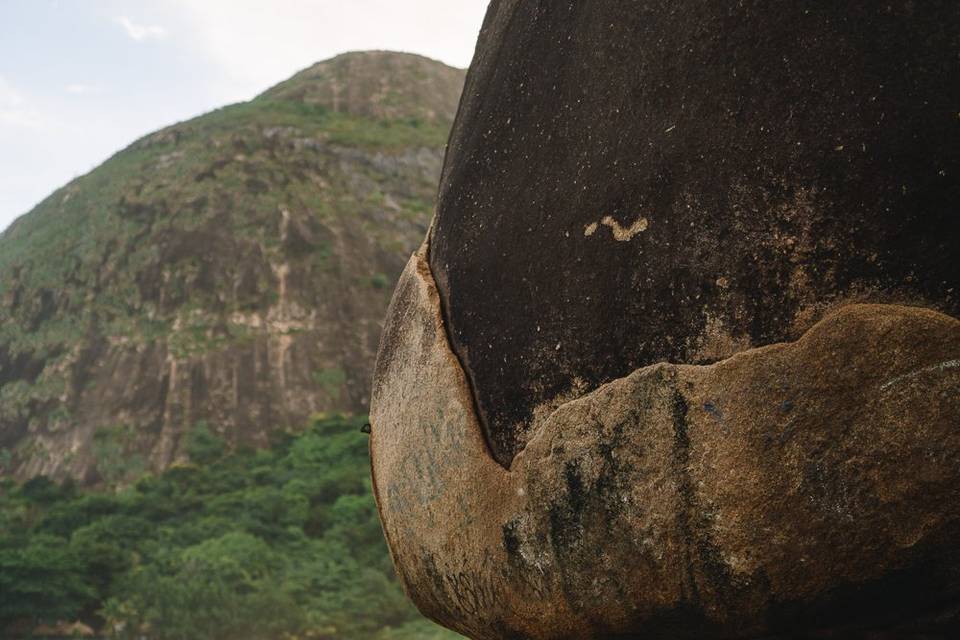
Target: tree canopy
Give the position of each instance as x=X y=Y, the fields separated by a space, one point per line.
x=276 y=543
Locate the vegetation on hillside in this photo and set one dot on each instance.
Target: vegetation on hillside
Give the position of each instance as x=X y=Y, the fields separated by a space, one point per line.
x=210 y=269
x=236 y=545
x=81 y=252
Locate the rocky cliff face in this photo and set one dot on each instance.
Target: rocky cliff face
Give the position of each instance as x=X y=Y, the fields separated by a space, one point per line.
x=233 y=270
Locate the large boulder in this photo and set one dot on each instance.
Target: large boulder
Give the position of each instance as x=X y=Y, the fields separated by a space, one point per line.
x=680 y=358
x=631 y=182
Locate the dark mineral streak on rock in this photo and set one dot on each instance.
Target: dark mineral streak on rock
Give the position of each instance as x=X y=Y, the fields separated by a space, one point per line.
x=626 y=181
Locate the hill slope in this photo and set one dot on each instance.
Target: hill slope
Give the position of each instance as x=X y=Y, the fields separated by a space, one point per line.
x=231 y=270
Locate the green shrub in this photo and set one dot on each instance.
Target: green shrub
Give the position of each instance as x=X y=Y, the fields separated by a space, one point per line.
x=242 y=544
x=331 y=381
x=203 y=446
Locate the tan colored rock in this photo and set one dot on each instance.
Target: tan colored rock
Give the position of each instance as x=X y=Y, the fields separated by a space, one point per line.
x=64 y=630
x=803 y=487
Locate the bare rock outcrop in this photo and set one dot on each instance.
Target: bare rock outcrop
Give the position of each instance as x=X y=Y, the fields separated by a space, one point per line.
x=680 y=356
x=811 y=486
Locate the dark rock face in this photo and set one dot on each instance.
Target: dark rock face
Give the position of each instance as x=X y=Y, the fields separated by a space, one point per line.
x=680 y=358
x=636 y=182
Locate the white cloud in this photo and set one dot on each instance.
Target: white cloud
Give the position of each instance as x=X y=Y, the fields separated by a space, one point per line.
x=20 y=119
x=9 y=97
x=141 y=32
x=14 y=110
x=258 y=44
x=79 y=88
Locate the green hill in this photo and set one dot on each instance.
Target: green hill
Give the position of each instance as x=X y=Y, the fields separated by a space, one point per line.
x=232 y=270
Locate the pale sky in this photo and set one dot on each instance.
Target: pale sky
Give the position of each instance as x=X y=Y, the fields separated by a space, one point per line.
x=81 y=79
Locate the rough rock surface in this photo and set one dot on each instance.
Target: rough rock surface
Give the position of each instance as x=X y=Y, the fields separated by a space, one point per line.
x=800 y=489
x=680 y=358
x=677 y=180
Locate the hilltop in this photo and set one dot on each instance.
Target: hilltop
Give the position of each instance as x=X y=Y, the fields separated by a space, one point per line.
x=231 y=271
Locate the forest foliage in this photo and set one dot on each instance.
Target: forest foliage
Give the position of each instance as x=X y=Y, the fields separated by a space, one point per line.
x=282 y=542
